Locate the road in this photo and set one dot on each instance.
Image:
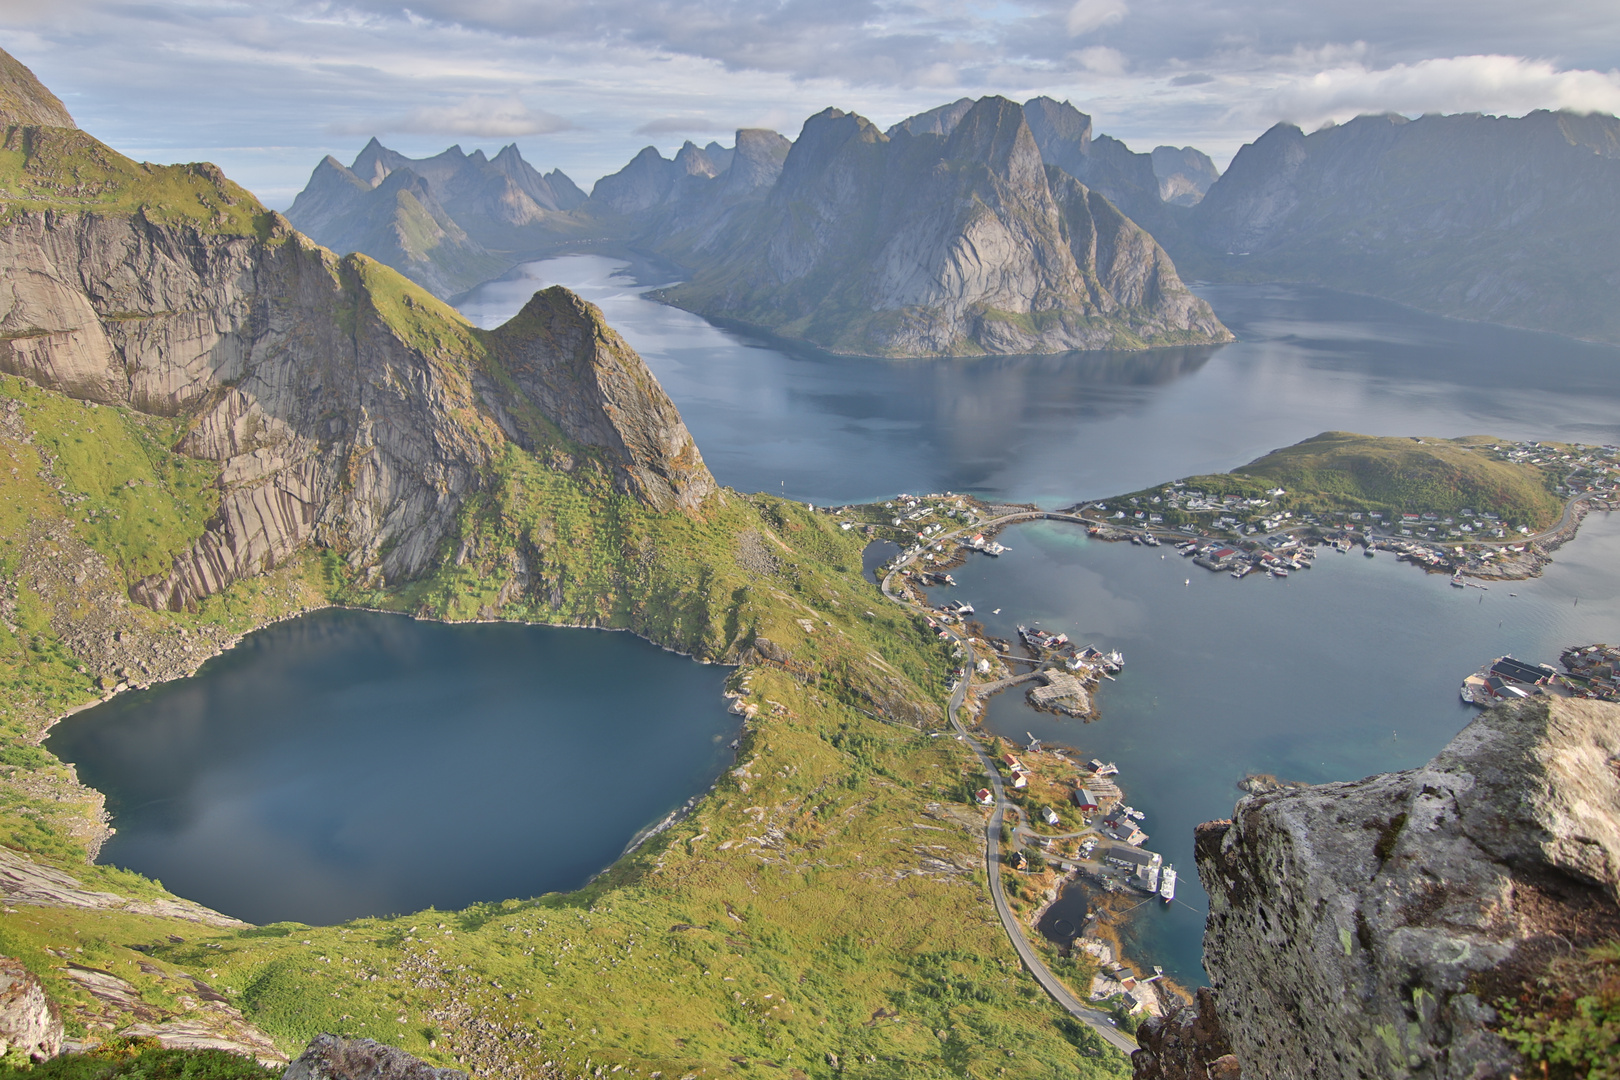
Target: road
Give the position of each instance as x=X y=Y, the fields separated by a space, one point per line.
x=1096 y=1018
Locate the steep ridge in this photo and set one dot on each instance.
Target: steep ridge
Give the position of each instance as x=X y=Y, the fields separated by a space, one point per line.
x=1513 y=221
x=447 y=222
x=927 y=244
x=1103 y=163
x=25 y=100
x=1185 y=174
x=1372 y=928
x=345 y=406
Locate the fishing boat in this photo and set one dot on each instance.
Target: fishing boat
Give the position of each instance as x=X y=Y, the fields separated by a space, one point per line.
x=1167 y=883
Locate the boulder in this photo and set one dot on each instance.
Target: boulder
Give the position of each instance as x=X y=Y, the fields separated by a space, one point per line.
x=29 y=1021
x=335 y=1057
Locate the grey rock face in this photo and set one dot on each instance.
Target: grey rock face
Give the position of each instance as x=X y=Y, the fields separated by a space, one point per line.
x=1364 y=929
x=447 y=222
x=1509 y=220
x=24 y=99
x=1184 y=173
x=928 y=244
x=331 y=422
x=29 y=1021
x=567 y=362
x=333 y=1057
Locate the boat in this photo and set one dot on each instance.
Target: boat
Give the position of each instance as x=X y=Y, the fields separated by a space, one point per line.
x=1369 y=551
x=1167 y=883
x=1150 y=540
x=1280 y=572
x=1135 y=539
x=1456 y=582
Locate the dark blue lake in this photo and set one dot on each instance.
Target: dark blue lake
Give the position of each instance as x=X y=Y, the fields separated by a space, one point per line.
x=349 y=763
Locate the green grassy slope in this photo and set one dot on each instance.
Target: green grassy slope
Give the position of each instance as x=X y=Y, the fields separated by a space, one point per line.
x=1407 y=475
x=837 y=870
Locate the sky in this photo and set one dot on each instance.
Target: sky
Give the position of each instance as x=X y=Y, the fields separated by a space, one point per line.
x=266 y=88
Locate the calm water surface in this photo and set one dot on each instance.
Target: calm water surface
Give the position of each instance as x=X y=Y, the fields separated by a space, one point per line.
x=348 y=763
x=770 y=416
x=1340 y=671
x=345 y=764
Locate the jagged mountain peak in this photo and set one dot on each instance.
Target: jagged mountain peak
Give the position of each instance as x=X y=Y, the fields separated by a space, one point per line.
x=25 y=100
x=564 y=359
x=993 y=132
x=939 y=121
x=1052 y=120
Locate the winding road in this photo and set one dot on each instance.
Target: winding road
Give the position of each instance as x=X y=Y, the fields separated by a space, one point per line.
x=1096 y=1018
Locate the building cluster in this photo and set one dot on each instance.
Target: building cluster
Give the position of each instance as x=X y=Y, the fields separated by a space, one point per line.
x=1508 y=679
x=1592 y=671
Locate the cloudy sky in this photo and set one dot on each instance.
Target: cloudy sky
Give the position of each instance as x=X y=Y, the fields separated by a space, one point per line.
x=266 y=87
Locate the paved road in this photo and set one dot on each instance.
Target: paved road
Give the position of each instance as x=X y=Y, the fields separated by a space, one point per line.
x=1098 y=1019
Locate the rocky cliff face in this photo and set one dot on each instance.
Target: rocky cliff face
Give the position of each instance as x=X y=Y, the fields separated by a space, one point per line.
x=1510 y=220
x=29 y=1023
x=345 y=406
x=24 y=99
x=447 y=222
x=1365 y=929
x=1185 y=174
x=929 y=243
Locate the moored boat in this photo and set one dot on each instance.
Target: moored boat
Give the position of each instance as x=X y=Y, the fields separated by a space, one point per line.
x=1167 y=883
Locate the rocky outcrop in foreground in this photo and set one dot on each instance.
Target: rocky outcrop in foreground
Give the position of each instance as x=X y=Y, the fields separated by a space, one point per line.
x=29 y=1023
x=333 y=1057
x=1187 y=1044
x=1366 y=929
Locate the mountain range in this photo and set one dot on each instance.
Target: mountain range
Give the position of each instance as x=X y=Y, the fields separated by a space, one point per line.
x=448 y=222
x=977 y=227
x=1507 y=220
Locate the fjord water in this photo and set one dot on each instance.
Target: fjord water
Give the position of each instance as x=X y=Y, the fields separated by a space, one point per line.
x=350 y=763
x=1337 y=672
x=772 y=416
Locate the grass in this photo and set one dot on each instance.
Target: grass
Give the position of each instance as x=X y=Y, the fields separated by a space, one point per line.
x=1339 y=470
x=134 y=1058
x=47 y=168
x=806 y=875
x=1338 y=473
x=1568 y=1025
x=823 y=911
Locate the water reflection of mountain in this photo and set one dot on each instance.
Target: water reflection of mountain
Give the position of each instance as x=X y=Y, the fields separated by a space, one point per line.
x=776 y=415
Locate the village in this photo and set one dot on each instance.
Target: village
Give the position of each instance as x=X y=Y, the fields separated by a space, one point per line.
x=1077 y=845
x=1589 y=672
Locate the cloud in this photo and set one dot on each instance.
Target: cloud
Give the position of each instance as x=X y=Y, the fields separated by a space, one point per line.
x=1503 y=85
x=1196 y=78
x=471 y=117
x=1089 y=15
x=679 y=125
x=1101 y=60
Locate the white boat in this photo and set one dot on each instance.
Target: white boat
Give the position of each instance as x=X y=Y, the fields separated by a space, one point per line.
x=1167 y=883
